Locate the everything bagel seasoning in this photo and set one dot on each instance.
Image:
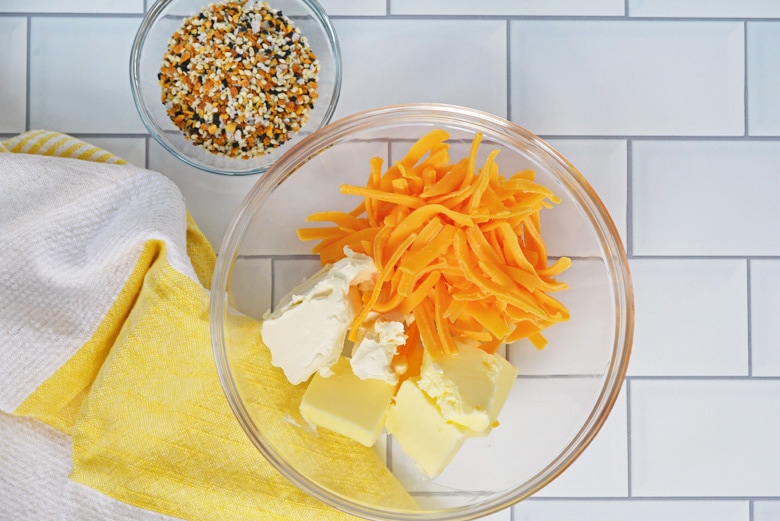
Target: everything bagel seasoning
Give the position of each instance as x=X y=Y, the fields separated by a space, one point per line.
x=239 y=79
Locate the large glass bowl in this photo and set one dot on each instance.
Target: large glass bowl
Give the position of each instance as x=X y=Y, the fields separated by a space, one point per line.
x=563 y=393
x=146 y=58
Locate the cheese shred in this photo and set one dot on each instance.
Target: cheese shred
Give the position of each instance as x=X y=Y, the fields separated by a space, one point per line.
x=458 y=247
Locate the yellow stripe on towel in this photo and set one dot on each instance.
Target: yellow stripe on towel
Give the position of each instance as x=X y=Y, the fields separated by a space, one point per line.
x=46 y=142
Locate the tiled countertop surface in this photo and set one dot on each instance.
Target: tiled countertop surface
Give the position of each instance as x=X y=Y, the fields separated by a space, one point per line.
x=670 y=108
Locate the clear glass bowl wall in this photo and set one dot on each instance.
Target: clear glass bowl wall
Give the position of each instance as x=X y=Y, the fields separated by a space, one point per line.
x=151 y=44
x=563 y=393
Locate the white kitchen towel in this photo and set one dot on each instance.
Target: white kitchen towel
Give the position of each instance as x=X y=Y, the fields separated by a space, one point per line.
x=110 y=405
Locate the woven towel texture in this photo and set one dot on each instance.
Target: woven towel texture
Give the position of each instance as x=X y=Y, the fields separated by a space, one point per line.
x=105 y=359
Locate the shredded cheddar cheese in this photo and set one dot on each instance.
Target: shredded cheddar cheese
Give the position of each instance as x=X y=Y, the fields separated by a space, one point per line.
x=457 y=246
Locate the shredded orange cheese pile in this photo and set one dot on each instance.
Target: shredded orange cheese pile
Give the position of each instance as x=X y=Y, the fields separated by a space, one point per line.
x=458 y=248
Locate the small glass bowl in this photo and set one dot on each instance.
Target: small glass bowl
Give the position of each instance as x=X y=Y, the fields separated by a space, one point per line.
x=146 y=58
x=563 y=393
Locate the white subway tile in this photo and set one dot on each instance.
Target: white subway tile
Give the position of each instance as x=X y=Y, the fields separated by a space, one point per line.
x=602 y=469
x=132 y=150
x=72 y=6
x=764 y=324
x=691 y=317
x=452 y=501
x=79 y=80
x=13 y=74
x=503 y=515
x=604 y=164
x=352 y=8
x=211 y=199
x=766 y=511
x=704 y=8
x=315 y=187
x=509 y=7
x=705 y=438
x=251 y=286
x=706 y=198
x=461 y=62
x=624 y=509
x=763 y=78
x=539 y=420
x=79 y=75
x=627 y=77
x=583 y=344
x=289 y=273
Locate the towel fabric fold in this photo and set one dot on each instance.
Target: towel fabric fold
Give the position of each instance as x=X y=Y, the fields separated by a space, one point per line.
x=110 y=405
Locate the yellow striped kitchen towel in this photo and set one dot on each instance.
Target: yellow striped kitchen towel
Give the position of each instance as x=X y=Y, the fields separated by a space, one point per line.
x=110 y=405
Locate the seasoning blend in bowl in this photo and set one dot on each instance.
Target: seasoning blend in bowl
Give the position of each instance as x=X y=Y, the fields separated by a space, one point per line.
x=227 y=86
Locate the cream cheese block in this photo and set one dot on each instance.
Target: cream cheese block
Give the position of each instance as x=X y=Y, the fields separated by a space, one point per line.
x=306 y=332
x=347 y=404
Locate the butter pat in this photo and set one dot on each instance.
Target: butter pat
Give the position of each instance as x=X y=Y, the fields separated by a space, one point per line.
x=373 y=353
x=346 y=404
x=469 y=387
x=421 y=430
x=306 y=332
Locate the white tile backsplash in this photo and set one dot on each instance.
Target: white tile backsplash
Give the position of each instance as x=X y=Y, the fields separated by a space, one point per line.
x=765 y=326
x=691 y=317
x=671 y=112
x=602 y=469
x=251 y=286
x=132 y=150
x=581 y=345
x=13 y=80
x=639 y=509
x=509 y=7
x=766 y=510
x=706 y=197
x=72 y=6
x=705 y=8
x=352 y=8
x=763 y=78
x=627 y=77
x=79 y=75
x=705 y=438
x=546 y=414
x=288 y=273
x=212 y=200
x=604 y=164
x=384 y=65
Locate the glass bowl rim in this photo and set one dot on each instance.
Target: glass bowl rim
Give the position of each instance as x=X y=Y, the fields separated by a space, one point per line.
x=153 y=14
x=613 y=254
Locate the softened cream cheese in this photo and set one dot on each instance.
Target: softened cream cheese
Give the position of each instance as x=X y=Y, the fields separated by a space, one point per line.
x=306 y=332
x=373 y=352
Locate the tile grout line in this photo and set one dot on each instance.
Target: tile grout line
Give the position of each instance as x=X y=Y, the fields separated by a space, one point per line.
x=629 y=466
x=706 y=378
x=620 y=18
x=745 y=108
x=508 y=70
x=27 y=77
x=749 y=294
x=273 y=282
x=714 y=499
x=629 y=199
x=147 y=147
